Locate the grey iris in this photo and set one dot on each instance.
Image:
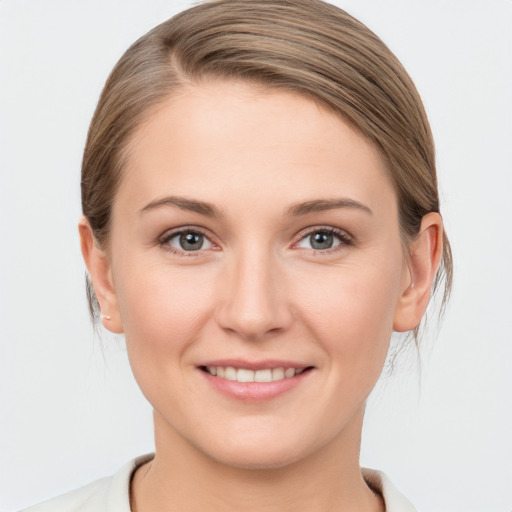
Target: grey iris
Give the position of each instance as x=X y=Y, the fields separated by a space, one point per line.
x=321 y=240
x=191 y=241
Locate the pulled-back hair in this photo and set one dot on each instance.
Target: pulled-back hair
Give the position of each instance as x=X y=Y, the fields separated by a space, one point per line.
x=307 y=47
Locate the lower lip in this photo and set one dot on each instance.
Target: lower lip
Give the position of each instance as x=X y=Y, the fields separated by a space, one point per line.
x=254 y=391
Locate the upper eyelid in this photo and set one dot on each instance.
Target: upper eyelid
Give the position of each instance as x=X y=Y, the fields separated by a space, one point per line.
x=169 y=233
x=331 y=229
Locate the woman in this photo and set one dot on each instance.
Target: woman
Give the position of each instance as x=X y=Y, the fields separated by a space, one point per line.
x=260 y=214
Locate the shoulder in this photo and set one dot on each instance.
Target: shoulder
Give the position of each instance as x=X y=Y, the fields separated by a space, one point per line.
x=380 y=483
x=90 y=497
x=111 y=494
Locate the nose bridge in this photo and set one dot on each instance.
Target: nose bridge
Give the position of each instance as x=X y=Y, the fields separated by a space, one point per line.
x=254 y=302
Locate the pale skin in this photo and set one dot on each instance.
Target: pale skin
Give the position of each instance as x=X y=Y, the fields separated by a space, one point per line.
x=297 y=256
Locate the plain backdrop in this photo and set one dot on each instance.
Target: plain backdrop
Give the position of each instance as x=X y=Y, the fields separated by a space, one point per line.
x=70 y=411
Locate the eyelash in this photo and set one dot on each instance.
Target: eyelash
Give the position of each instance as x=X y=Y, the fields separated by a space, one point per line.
x=344 y=238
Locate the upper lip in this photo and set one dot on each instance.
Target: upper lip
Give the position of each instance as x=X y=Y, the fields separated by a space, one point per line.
x=266 y=364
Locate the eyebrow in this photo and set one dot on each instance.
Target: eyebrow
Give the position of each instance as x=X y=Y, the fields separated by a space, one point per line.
x=320 y=205
x=209 y=210
x=183 y=203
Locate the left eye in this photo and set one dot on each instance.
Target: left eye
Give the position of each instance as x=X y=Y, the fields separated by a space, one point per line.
x=189 y=241
x=322 y=240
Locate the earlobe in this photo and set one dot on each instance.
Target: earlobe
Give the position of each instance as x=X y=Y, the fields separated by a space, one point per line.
x=99 y=268
x=424 y=257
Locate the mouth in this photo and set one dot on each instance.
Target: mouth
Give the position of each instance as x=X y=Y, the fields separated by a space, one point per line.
x=247 y=375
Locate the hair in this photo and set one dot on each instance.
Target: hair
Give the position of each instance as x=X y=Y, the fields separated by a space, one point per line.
x=307 y=47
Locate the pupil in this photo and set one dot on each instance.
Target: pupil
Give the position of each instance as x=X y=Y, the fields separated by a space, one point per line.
x=321 y=241
x=191 y=241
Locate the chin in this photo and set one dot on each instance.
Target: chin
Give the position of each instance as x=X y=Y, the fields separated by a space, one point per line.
x=258 y=458
x=263 y=450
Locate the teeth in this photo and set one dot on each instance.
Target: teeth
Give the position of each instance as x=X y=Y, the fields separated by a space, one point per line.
x=289 y=372
x=245 y=375
x=262 y=376
x=230 y=373
x=278 y=374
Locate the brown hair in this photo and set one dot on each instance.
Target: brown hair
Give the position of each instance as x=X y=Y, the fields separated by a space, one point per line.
x=305 y=46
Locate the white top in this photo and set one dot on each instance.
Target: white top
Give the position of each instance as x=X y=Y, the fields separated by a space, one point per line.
x=112 y=494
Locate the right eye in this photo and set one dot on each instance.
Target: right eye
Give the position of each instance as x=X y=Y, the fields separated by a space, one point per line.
x=186 y=241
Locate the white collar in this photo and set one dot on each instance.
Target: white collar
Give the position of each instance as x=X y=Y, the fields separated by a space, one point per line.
x=394 y=500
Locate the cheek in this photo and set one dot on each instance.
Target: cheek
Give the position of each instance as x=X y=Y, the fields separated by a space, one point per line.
x=164 y=312
x=162 y=308
x=351 y=309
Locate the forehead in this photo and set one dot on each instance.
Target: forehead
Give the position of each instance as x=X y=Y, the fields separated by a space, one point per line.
x=220 y=137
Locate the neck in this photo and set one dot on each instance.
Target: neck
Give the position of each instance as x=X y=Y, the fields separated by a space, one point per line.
x=182 y=478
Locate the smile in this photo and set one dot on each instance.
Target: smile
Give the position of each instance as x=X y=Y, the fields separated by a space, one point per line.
x=247 y=375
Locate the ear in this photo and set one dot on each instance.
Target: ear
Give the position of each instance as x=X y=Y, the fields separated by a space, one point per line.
x=98 y=265
x=424 y=257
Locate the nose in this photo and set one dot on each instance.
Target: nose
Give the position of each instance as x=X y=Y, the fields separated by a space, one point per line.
x=253 y=301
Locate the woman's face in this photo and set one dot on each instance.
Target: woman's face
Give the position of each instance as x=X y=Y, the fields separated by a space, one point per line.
x=255 y=237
